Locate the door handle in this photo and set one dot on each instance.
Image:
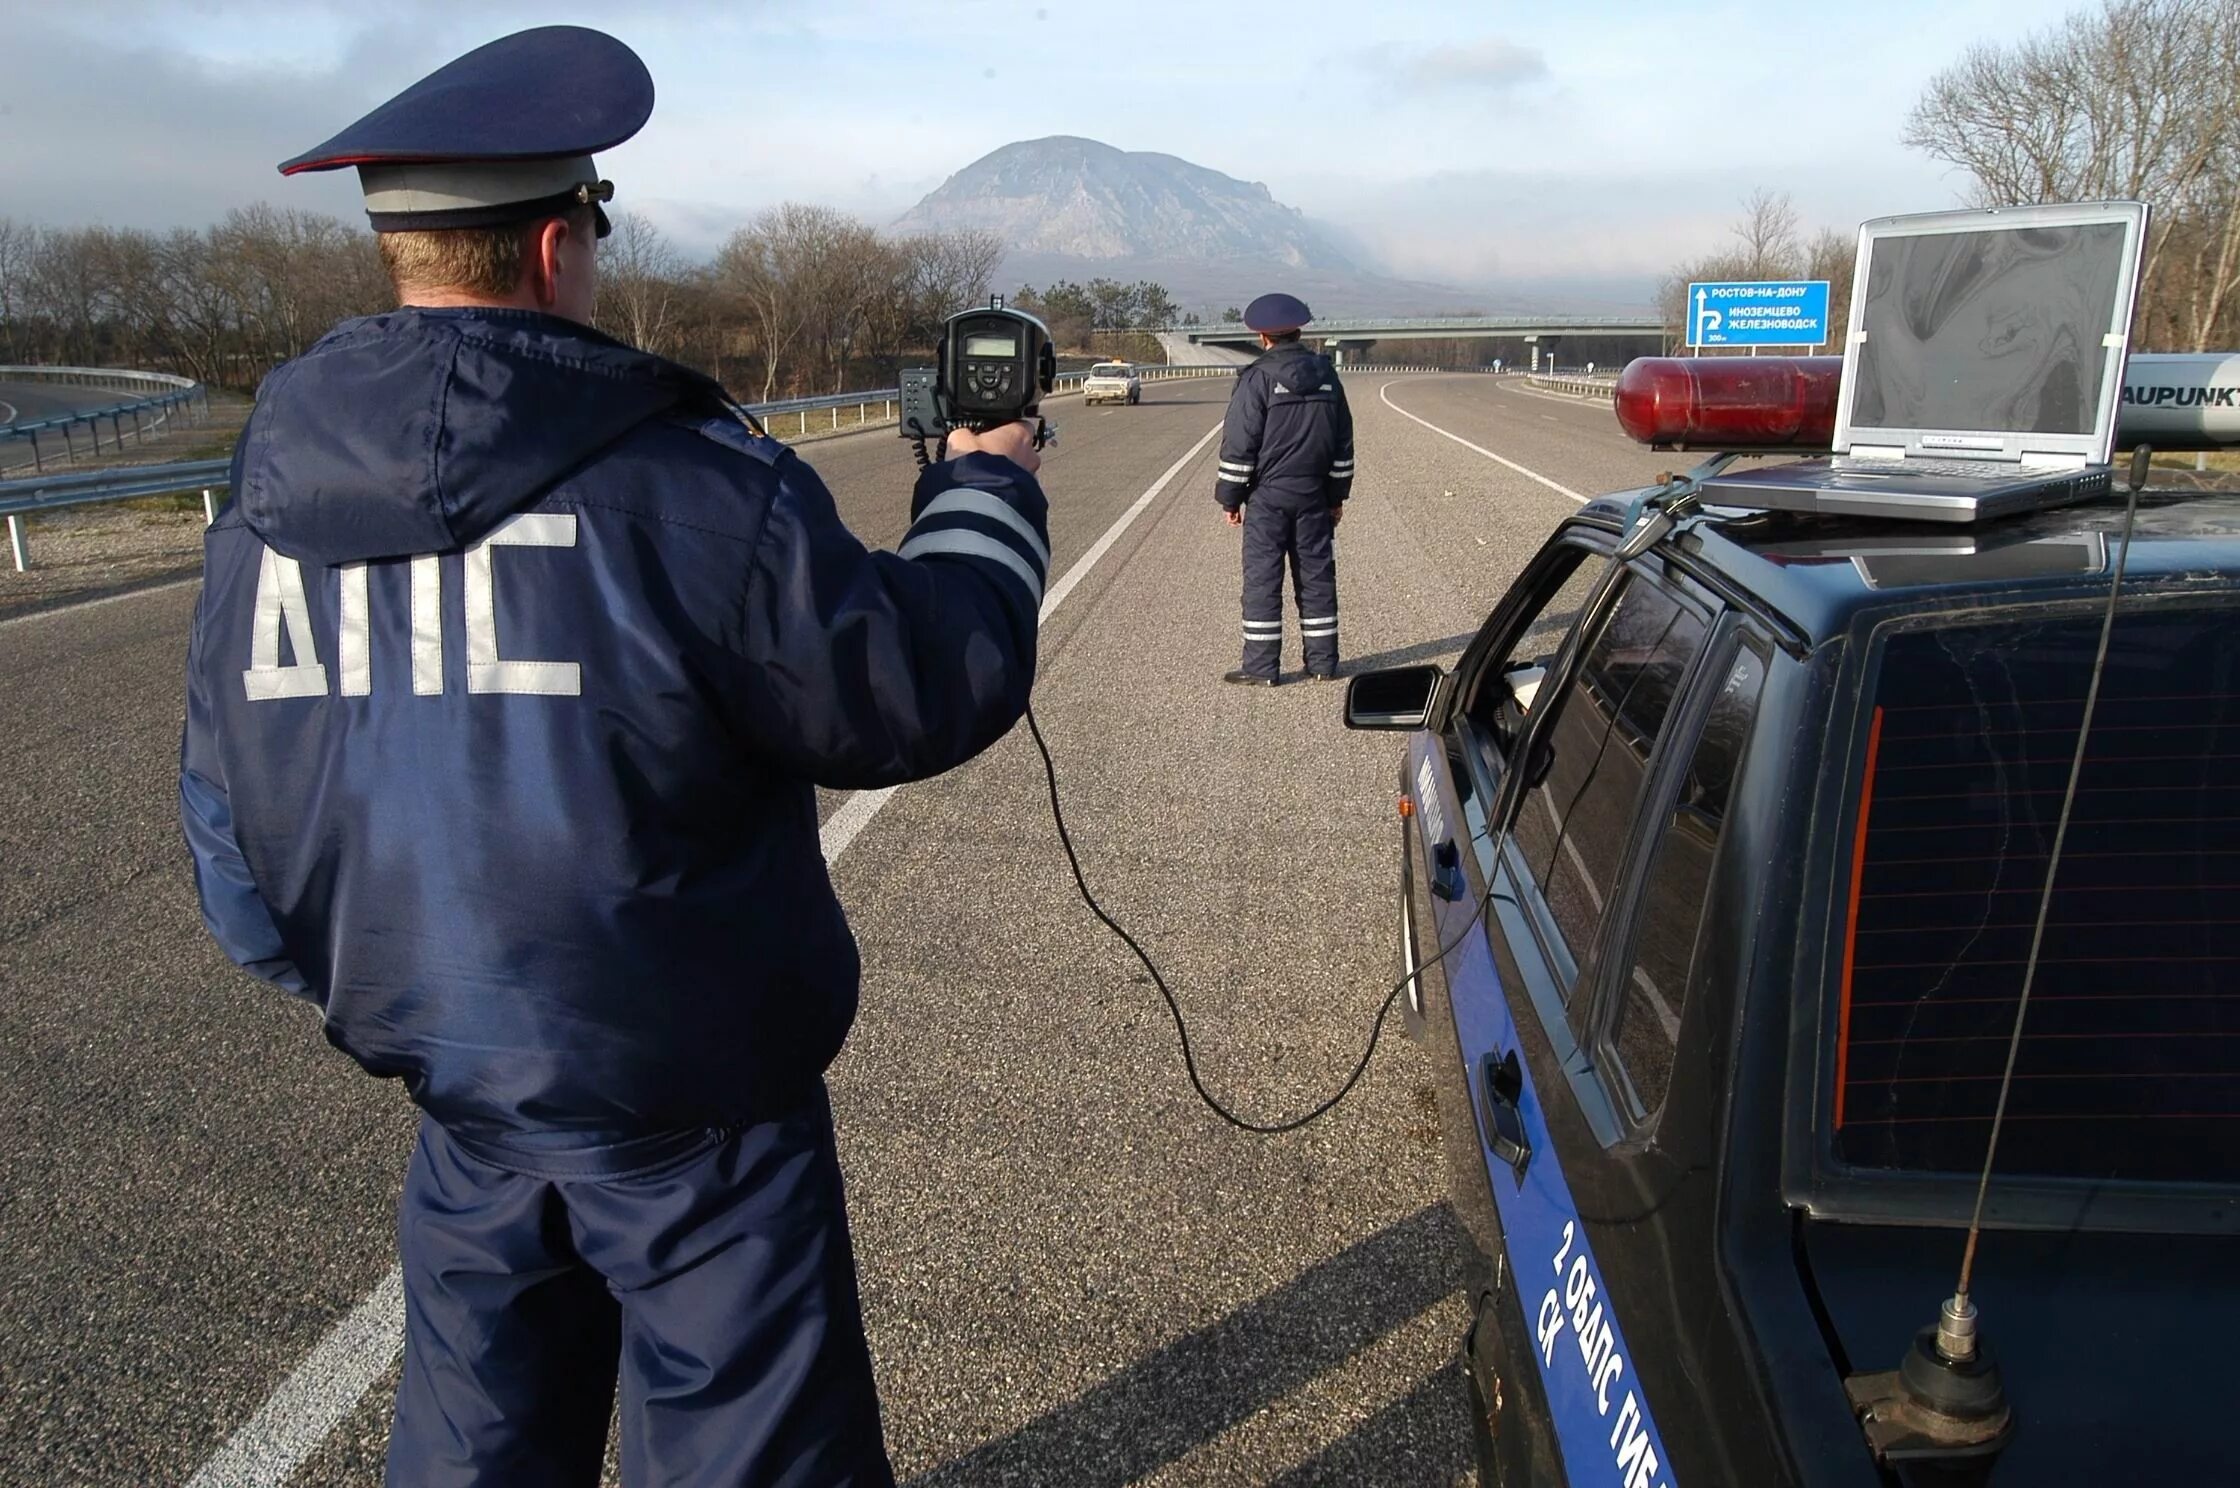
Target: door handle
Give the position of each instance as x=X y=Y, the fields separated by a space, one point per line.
x=1446 y=871
x=1503 y=1079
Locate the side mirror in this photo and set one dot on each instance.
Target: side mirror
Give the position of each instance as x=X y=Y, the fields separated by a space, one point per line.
x=1394 y=698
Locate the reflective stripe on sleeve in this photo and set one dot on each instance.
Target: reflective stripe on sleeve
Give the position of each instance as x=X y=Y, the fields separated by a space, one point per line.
x=966 y=543
x=983 y=504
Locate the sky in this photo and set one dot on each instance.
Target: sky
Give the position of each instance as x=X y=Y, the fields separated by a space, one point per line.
x=1473 y=142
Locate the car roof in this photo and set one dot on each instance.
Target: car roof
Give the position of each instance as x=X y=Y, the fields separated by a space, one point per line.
x=1817 y=571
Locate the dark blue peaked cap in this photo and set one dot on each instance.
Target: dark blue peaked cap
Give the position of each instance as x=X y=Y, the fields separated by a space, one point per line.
x=1274 y=313
x=503 y=133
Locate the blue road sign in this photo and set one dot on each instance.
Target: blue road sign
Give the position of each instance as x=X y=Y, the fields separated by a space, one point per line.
x=1759 y=312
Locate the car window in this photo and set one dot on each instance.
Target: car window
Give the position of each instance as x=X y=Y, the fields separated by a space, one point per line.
x=1673 y=890
x=1106 y=369
x=1494 y=707
x=1592 y=756
x=2129 y=1062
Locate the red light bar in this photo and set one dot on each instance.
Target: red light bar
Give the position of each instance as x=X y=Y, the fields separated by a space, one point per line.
x=1731 y=402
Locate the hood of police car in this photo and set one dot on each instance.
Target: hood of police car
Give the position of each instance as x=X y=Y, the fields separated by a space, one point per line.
x=420 y=430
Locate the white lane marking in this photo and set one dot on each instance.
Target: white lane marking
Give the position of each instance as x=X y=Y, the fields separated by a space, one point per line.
x=856 y=812
x=327 y=1386
x=11 y=418
x=1103 y=545
x=1555 y=486
x=275 y=1441
x=95 y=604
x=1665 y=1014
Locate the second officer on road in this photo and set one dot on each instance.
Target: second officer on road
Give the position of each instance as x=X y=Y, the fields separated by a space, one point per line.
x=1286 y=470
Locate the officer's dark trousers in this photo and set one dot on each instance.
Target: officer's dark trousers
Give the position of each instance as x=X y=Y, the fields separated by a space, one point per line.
x=721 y=1282
x=1276 y=528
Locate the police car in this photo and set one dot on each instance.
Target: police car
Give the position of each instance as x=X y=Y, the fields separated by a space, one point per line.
x=1112 y=382
x=1722 y=849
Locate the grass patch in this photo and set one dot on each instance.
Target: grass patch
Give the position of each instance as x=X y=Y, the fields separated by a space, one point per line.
x=217 y=447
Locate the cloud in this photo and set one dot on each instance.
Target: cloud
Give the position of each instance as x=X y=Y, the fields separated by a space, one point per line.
x=1491 y=65
x=137 y=137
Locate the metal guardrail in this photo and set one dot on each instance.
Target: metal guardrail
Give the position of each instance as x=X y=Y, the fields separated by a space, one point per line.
x=22 y=498
x=1412 y=367
x=1397 y=327
x=1582 y=387
x=43 y=493
x=160 y=392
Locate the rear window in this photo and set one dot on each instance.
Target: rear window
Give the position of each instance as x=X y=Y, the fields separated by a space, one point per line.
x=2129 y=1066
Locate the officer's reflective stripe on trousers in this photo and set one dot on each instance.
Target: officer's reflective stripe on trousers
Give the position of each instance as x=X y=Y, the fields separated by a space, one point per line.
x=1263 y=630
x=941 y=528
x=1318 y=625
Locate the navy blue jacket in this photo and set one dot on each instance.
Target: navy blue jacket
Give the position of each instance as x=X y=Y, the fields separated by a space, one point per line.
x=517 y=659
x=1288 y=434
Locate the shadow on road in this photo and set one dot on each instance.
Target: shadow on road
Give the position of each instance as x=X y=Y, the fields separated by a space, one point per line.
x=1191 y=1391
x=1404 y=655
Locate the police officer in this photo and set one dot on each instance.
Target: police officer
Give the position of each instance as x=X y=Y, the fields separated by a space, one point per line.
x=517 y=660
x=1286 y=470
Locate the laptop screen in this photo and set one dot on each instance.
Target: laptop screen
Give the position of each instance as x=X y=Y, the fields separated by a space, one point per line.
x=1996 y=330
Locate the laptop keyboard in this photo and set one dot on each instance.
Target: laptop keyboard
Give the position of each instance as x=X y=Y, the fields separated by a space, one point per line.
x=1964 y=469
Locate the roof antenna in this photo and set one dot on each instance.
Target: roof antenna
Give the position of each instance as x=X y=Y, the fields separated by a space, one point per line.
x=1944 y=1403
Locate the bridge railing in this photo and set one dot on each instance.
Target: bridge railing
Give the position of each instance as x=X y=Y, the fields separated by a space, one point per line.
x=20 y=499
x=884 y=399
x=1397 y=327
x=158 y=395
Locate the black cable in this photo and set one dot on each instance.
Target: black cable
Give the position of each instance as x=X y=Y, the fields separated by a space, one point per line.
x=1181 y=1029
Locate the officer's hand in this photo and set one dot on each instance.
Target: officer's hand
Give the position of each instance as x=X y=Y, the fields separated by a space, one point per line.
x=1014 y=441
x=1234 y=518
x=1337 y=514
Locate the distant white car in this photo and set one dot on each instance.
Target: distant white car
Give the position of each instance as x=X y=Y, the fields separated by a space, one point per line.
x=1112 y=382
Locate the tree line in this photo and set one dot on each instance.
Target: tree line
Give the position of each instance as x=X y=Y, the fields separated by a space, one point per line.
x=802 y=299
x=2137 y=99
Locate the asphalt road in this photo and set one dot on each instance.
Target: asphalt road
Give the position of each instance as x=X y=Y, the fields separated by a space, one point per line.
x=1072 y=1272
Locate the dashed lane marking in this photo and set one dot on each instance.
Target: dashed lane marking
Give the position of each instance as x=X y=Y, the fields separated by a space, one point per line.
x=1384 y=396
x=272 y=1444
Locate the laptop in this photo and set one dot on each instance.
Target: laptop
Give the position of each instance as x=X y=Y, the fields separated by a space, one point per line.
x=1981 y=367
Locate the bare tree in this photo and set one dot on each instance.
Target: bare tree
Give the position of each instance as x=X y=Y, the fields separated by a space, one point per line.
x=640 y=276
x=949 y=271
x=1768 y=235
x=2136 y=99
x=857 y=273
x=19 y=243
x=1834 y=256
x=771 y=269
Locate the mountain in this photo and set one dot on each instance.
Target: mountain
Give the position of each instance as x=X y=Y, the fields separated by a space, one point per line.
x=1070 y=208
x=1076 y=198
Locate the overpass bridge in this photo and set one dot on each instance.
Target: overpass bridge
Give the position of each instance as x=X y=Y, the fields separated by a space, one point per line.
x=1519 y=340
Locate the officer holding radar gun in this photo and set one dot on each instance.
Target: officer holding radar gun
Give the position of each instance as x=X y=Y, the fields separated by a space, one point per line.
x=518 y=658
x=1286 y=470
